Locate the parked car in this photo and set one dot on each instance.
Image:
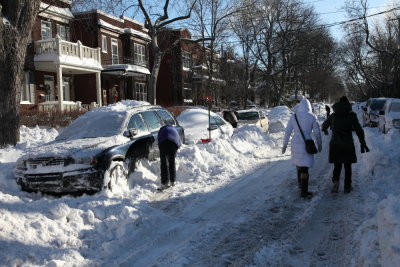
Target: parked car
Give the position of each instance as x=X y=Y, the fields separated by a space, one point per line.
x=95 y=150
x=196 y=125
x=371 y=111
x=389 y=117
x=252 y=116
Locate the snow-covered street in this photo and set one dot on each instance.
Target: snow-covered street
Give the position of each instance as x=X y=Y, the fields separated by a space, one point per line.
x=236 y=203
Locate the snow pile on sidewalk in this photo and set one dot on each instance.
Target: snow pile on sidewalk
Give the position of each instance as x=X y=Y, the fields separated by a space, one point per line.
x=380 y=168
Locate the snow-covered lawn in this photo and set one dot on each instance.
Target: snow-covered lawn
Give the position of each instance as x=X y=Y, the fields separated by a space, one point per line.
x=236 y=202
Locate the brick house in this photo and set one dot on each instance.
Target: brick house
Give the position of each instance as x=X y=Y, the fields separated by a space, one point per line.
x=124 y=49
x=55 y=61
x=83 y=60
x=183 y=75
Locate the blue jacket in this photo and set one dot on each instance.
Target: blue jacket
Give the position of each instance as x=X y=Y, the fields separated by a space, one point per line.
x=168 y=132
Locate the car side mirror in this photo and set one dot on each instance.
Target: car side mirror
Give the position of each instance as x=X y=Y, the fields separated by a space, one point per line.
x=133 y=132
x=212 y=127
x=381 y=112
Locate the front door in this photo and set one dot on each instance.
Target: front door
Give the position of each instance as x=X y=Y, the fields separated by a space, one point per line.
x=49 y=88
x=66 y=89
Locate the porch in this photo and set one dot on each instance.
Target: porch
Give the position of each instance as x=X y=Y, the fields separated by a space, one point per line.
x=66 y=59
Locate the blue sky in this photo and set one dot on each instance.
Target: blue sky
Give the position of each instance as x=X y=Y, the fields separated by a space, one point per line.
x=332 y=11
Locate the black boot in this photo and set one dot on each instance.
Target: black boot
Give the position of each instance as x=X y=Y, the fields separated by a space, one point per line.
x=304 y=185
x=298 y=177
x=347 y=186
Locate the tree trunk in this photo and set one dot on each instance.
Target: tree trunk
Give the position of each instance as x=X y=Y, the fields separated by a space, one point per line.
x=16 y=21
x=154 y=76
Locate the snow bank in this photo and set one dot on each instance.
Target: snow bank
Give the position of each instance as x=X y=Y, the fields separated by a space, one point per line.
x=389 y=231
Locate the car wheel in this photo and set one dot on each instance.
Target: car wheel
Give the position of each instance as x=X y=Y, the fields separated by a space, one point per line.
x=117 y=175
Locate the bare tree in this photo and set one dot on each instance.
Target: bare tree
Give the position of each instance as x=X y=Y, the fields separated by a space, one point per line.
x=373 y=57
x=156 y=24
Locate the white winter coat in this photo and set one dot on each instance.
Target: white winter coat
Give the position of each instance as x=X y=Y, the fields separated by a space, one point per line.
x=308 y=123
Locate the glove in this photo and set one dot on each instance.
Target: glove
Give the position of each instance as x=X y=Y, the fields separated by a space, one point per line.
x=319 y=148
x=364 y=148
x=283 y=149
x=326 y=132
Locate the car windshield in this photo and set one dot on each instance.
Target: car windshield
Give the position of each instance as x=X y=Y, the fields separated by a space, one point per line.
x=252 y=115
x=92 y=125
x=377 y=104
x=395 y=107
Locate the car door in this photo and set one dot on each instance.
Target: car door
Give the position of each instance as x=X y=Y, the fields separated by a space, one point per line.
x=153 y=124
x=167 y=118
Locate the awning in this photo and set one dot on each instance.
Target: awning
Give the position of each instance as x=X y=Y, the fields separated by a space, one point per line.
x=125 y=69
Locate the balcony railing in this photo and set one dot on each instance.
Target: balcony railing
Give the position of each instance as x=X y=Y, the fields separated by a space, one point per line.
x=127 y=60
x=61 y=47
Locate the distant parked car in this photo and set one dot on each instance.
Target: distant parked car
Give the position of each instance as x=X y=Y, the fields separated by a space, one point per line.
x=371 y=111
x=389 y=117
x=196 y=125
x=94 y=151
x=252 y=116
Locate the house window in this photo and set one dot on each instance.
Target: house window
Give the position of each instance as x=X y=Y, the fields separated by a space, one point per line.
x=114 y=51
x=140 y=55
x=141 y=91
x=187 y=95
x=186 y=59
x=46 y=30
x=104 y=44
x=27 y=90
x=63 y=32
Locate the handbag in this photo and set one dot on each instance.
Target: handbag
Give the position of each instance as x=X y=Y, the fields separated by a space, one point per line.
x=310 y=145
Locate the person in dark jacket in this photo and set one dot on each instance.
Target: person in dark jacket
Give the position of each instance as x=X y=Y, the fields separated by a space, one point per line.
x=328 y=110
x=343 y=122
x=231 y=116
x=168 y=142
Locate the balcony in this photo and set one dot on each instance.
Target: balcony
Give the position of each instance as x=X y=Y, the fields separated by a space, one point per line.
x=71 y=55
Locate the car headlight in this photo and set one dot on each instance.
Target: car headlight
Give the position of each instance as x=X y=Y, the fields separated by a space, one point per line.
x=86 y=160
x=21 y=164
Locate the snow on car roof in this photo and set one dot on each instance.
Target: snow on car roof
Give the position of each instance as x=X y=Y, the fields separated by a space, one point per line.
x=101 y=122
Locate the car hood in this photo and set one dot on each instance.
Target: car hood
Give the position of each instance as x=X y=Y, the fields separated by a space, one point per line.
x=87 y=147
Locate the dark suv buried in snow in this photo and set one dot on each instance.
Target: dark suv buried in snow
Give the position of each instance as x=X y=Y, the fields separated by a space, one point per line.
x=98 y=148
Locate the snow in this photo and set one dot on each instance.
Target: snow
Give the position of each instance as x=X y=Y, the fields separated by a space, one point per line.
x=127 y=68
x=126 y=30
x=235 y=203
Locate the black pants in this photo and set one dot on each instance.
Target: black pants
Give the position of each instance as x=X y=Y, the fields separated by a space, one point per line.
x=167 y=158
x=347 y=173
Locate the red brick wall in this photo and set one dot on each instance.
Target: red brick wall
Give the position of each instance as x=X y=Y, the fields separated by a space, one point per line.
x=85 y=88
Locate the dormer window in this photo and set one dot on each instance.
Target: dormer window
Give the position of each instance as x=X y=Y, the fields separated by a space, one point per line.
x=46 y=30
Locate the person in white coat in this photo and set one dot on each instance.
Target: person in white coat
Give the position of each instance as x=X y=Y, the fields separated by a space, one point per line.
x=302 y=159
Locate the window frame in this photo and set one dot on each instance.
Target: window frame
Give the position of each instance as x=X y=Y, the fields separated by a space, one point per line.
x=104 y=47
x=139 y=53
x=66 y=35
x=47 y=28
x=27 y=90
x=186 y=59
x=114 y=43
x=141 y=92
